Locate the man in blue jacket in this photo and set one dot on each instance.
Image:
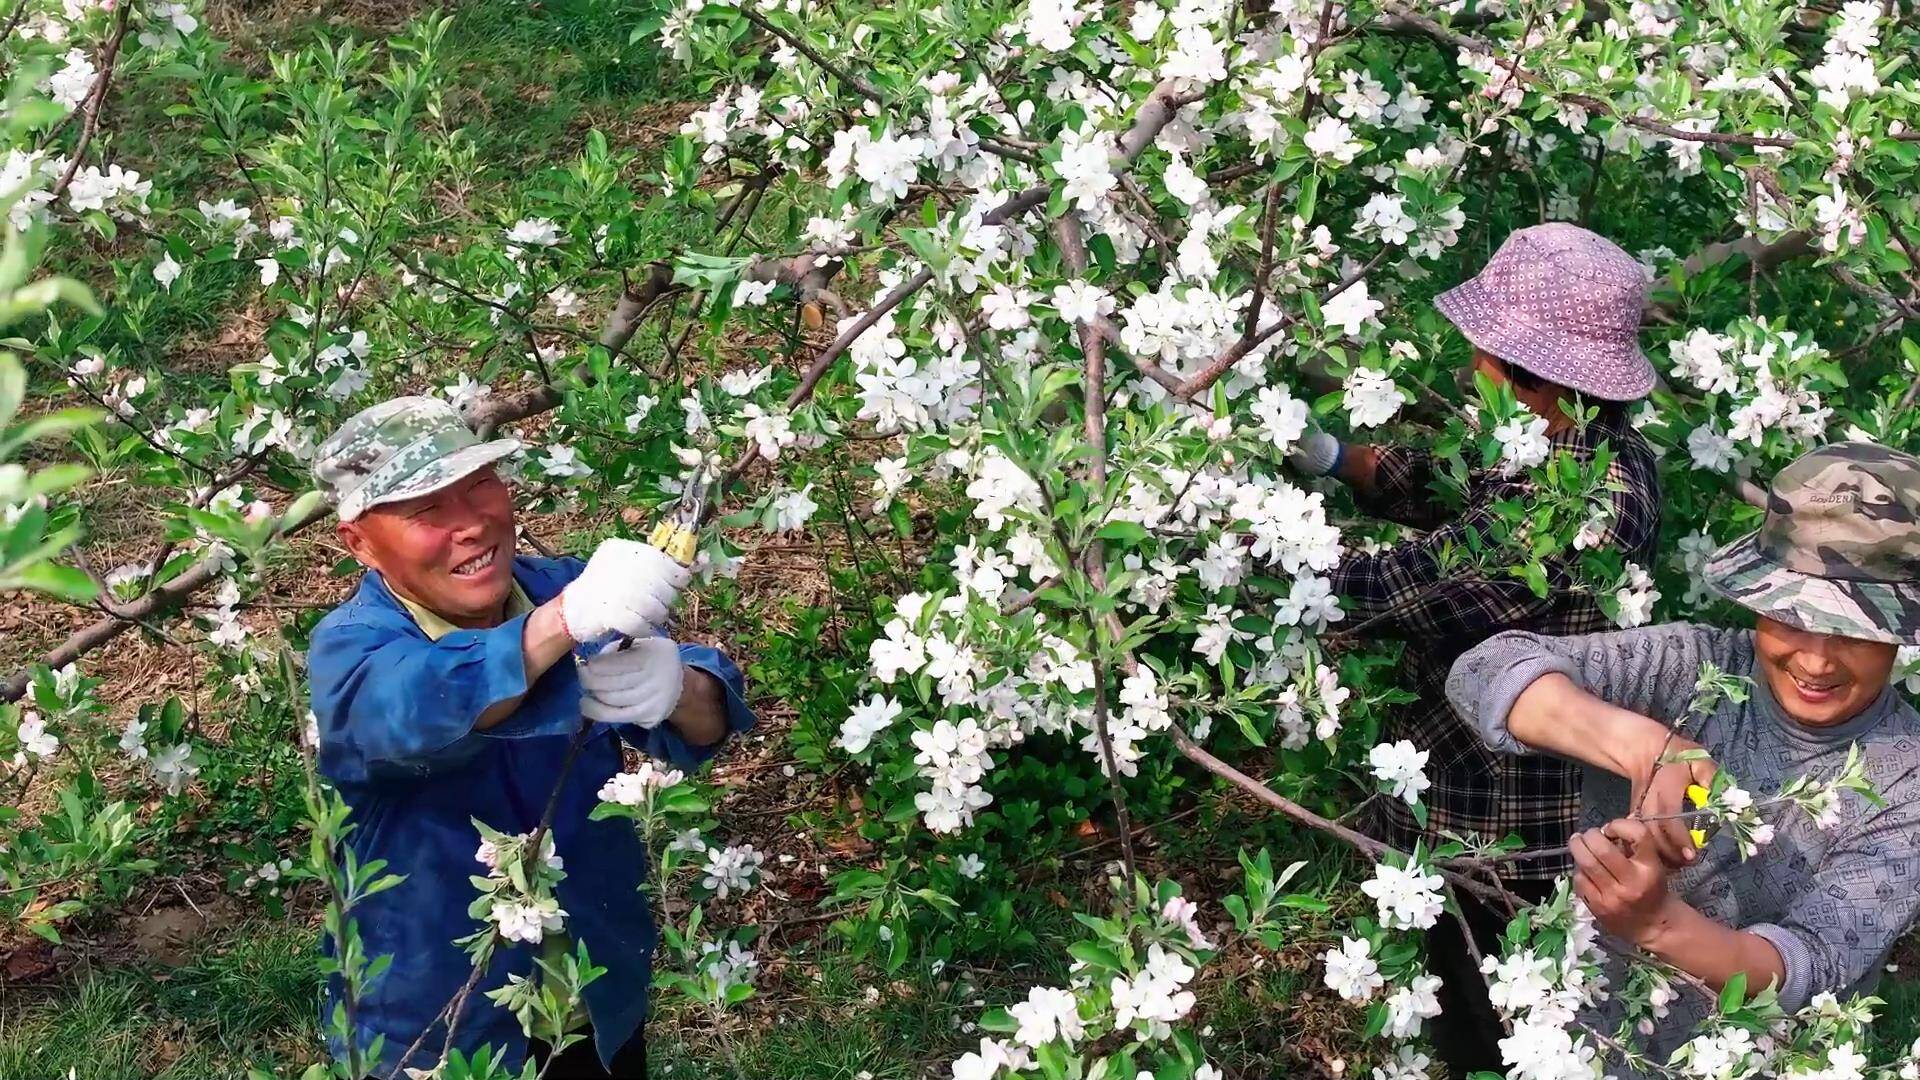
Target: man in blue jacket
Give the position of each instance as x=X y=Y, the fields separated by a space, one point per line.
x=445 y=692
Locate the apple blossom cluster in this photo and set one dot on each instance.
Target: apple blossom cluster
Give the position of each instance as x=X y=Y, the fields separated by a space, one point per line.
x=172 y=766
x=34 y=740
x=1762 y=374
x=639 y=786
x=521 y=915
x=1144 y=993
x=1523 y=442
x=1408 y=896
x=731 y=869
x=1539 y=991
x=1401 y=768
x=904 y=392
x=1634 y=597
x=727 y=967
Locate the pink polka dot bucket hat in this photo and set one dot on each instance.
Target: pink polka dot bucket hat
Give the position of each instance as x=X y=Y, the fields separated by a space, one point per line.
x=1563 y=303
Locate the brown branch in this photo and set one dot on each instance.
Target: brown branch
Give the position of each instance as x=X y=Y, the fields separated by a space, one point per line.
x=853 y=82
x=96 y=99
x=1373 y=849
x=1066 y=230
x=155 y=602
x=1405 y=19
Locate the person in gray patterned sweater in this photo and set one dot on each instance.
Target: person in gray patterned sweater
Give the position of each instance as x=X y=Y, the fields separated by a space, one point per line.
x=1833 y=577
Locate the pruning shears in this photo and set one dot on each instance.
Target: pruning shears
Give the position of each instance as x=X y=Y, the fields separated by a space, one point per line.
x=1698 y=796
x=678 y=534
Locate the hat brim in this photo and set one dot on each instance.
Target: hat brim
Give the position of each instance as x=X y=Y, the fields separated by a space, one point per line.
x=447 y=470
x=1595 y=369
x=1868 y=610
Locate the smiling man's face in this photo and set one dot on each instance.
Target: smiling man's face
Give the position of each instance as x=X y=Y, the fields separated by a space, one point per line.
x=1821 y=679
x=450 y=551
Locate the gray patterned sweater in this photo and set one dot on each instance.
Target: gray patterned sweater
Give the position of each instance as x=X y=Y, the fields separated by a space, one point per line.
x=1833 y=903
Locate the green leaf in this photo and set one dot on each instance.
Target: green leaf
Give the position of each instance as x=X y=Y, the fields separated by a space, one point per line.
x=64 y=582
x=1735 y=992
x=1095 y=955
x=1126 y=532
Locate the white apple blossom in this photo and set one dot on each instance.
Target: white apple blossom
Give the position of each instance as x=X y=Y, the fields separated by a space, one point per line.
x=1401 y=768
x=1048 y=1013
x=1523 y=442
x=1371 y=398
x=791 y=510
x=1408 y=897
x=1331 y=137
x=533 y=232
x=1082 y=302
x=527 y=921
x=1635 y=597
x=1410 y=1006
x=1352 y=971
x=873 y=716
x=1350 y=310
x=731 y=869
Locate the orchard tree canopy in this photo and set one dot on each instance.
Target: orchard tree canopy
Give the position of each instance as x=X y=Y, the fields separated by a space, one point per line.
x=1044 y=292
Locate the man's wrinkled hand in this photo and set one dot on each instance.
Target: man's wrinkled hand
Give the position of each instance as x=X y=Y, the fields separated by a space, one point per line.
x=638 y=685
x=627 y=588
x=1619 y=874
x=1660 y=792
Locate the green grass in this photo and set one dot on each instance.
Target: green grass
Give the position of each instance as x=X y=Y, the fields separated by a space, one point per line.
x=247 y=999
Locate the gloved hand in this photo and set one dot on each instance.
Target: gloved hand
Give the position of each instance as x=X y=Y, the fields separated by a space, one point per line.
x=627 y=588
x=638 y=685
x=1315 y=453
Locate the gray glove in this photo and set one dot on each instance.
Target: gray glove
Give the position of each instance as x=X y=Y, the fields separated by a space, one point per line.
x=1315 y=454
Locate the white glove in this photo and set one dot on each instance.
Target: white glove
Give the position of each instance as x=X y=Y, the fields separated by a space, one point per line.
x=1316 y=453
x=627 y=588
x=638 y=685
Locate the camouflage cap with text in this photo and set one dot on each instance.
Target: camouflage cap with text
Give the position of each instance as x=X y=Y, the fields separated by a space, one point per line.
x=1839 y=550
x=400 y=449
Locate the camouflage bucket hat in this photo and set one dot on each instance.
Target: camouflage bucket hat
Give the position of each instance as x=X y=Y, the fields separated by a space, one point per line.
x=1839 y=551
x=400 y=449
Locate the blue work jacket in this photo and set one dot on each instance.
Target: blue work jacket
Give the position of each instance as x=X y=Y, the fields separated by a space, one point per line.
x=396 y=714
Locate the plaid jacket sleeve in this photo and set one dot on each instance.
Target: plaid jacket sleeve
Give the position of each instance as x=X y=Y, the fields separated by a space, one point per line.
x=1400 y=490
x=1408 y=591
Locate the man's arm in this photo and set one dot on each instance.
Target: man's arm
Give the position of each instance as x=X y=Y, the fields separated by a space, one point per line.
x=544 y=642
x=386 y=696
x=1394 y=483
x=701 y=715
x=1620 y=875
x=674 y=702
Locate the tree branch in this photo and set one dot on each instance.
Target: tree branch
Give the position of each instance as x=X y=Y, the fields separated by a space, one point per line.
x=1405 y=19
x=853 y=82
x=96 y=100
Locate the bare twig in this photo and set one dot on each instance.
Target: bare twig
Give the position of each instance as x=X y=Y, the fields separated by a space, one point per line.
x=853 y=82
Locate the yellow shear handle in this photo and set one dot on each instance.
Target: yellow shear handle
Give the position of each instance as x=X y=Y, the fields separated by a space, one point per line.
x=1698 y=796
x=678 y=541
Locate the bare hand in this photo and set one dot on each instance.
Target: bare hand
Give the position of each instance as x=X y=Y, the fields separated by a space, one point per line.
x=1620 y=875
x=1660 y=791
